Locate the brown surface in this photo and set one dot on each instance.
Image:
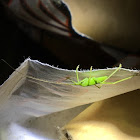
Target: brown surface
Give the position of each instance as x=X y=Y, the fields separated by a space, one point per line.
x=112 y=119
x=42 y=93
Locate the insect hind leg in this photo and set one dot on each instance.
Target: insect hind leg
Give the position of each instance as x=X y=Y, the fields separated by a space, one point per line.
x=112 y=74
x=124 y=79
x=104 y=82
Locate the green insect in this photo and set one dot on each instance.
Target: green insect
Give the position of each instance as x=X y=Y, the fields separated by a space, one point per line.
x=97 y=80
x=86 y=81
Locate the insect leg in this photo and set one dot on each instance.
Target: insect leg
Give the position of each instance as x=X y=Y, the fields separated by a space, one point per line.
x=90 y=72
x=90 y=76
x=119 y=80
x=77 y=73
x=112 y=73
x=97 y=86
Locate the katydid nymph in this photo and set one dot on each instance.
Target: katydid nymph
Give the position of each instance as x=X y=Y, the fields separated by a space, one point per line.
x=97 y=80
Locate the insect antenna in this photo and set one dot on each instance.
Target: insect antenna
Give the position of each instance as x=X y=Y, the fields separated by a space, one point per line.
x=37 y=79
x=8 y=64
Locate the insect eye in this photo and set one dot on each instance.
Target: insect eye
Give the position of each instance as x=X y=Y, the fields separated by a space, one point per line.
x=84 y=82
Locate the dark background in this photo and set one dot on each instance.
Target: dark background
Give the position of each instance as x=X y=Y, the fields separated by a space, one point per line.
x=59 y=51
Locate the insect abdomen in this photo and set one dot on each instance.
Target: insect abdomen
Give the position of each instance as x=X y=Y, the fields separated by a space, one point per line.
x=100 y=79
